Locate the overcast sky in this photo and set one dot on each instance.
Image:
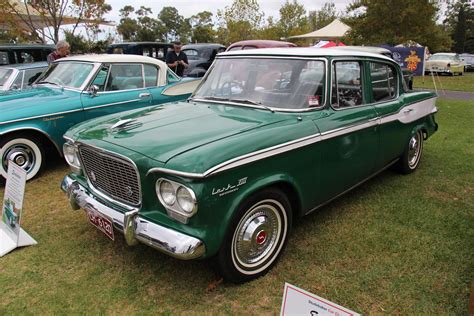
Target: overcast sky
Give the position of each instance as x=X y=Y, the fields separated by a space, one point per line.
x=188 y=8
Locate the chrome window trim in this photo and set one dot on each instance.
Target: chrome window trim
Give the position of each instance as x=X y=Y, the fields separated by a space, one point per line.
x=301 y=142
x=95 y=66
x=399 y=76
x=117 y=157
x=284 y=110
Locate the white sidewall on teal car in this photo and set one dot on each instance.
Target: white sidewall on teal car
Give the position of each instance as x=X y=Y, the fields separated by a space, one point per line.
x=22 y=143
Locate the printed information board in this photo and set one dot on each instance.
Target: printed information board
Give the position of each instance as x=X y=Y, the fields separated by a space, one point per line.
x=297 y=301
x=11 y=234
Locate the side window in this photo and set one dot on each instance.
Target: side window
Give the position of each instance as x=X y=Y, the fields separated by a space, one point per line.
x=101 y=78
x=159 y=52
x=124 y=77
x=18 y=81
x=31 y=75
x=151 y=75
x=384 y=82
x=147 y=51
x=346 y=84
x=4 y=60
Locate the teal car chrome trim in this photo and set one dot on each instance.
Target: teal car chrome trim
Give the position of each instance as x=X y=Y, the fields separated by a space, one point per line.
x=110 y=104
x=40 y=116
x=281 y=148
x=167 y=240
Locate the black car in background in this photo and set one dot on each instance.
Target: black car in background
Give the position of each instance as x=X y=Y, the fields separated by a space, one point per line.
x=200 y=58
x=151 y=49
x=24 y=53
x=468 y=60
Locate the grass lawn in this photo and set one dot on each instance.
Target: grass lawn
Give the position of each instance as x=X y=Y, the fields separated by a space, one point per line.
x=396 y=245
x=443 y=82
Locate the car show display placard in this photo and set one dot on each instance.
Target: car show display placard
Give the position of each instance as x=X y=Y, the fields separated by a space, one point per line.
x=297 y=301
x=11 y=234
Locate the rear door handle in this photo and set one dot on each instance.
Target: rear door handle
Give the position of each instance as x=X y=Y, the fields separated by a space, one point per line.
x=144 y=95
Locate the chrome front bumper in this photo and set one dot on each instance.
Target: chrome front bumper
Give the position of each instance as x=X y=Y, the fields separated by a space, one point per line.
x=135 y=228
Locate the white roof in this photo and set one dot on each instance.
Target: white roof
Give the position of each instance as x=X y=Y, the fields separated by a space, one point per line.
x=114 y=58
x=335 y=29
x=301 y=52
x=447 y=54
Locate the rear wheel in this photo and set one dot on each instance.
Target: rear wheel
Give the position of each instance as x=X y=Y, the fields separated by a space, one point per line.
x=26 y=151
x=411 y=157
x=256 y=237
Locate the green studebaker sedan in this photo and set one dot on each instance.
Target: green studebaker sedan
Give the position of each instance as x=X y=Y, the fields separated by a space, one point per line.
x=269 y=135
x=76 y=89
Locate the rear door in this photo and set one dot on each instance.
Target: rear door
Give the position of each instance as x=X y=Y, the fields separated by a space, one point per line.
x=120 y=87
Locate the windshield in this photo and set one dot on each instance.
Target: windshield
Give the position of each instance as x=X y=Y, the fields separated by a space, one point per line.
x=67 y=74
x=5 y=73
x=441 y=57
x=270 y=82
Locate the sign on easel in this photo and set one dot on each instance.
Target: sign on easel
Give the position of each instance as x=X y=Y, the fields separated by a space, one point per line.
x=11 y=234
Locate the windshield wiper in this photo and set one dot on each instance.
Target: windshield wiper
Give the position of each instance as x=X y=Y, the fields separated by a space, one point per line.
x=50 y=82
x=258 y=103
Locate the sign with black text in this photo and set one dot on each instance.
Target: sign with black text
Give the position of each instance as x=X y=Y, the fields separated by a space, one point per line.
x=297 y=301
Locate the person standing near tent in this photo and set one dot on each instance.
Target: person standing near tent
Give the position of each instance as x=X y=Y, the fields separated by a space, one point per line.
x=177 y=60
x=62 y=50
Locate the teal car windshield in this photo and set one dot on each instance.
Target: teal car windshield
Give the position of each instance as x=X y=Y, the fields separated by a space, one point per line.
x=269 y=82
x=67 y=74
x=5 y=73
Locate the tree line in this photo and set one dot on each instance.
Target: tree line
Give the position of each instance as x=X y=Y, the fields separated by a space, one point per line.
x=372 y=22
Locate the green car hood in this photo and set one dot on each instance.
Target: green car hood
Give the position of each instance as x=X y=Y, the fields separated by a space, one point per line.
x=37 y=101
x=163 y=132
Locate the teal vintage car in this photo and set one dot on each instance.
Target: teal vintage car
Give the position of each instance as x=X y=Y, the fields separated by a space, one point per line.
x=76 y=89
x=269 y=135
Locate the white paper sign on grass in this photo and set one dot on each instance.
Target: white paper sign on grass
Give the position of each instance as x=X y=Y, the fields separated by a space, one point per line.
x=11 y=234
x=297 y=301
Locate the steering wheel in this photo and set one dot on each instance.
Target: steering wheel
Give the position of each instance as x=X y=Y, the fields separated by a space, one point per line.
x=226 y=88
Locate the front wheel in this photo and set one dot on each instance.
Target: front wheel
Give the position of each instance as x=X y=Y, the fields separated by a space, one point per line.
x=411 y=157
x=256 y=236
x=25 y=151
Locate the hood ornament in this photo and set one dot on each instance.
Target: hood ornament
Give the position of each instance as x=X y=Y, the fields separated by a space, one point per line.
x=123 y=125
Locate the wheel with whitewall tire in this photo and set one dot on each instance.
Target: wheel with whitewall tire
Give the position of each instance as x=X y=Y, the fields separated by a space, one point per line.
x=25 y=150
x=411 y=157
x=256 y=236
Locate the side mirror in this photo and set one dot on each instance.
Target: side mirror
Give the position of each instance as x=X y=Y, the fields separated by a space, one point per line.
x=93 y=90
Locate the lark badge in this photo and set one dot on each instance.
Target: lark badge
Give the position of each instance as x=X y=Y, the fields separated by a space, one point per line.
x=229 y=188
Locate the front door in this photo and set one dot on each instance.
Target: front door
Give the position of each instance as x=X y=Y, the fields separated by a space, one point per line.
x=120 y=87
x=348 y=131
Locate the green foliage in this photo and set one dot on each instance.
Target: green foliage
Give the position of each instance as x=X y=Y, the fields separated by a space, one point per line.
x=396 y=21
x=81 y=45
x=320 y=18
x=459 y=23
x=202 y=28
x=51 y=15
x=241 y=21
x=293 y=20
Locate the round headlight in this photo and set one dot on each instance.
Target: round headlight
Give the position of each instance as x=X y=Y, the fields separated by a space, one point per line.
x=166 y=191
x=185 y=200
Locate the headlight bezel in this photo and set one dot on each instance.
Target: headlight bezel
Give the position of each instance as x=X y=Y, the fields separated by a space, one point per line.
x=175 y=210
x=71 y=155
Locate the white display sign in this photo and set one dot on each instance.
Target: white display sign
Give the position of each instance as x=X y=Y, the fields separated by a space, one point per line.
x=297 y=301
x=11 y=234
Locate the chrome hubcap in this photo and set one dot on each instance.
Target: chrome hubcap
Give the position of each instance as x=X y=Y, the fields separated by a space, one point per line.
x=20 y=154
x=414 y=147
x=257 y=235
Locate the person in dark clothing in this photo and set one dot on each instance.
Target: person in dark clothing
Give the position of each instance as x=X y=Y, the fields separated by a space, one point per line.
x=62 y=50
x=177 y=60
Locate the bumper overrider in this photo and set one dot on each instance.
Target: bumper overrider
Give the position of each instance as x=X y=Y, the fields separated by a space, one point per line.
x=135 y=228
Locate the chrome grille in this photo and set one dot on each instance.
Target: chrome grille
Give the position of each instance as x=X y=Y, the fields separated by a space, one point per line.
x=112 y=175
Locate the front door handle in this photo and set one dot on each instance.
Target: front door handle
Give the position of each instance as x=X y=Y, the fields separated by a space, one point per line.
x=144 y=95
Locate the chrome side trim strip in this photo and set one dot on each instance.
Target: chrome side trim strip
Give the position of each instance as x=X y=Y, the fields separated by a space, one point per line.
x=110 y=104
x=406 y=114
x=40 y=116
